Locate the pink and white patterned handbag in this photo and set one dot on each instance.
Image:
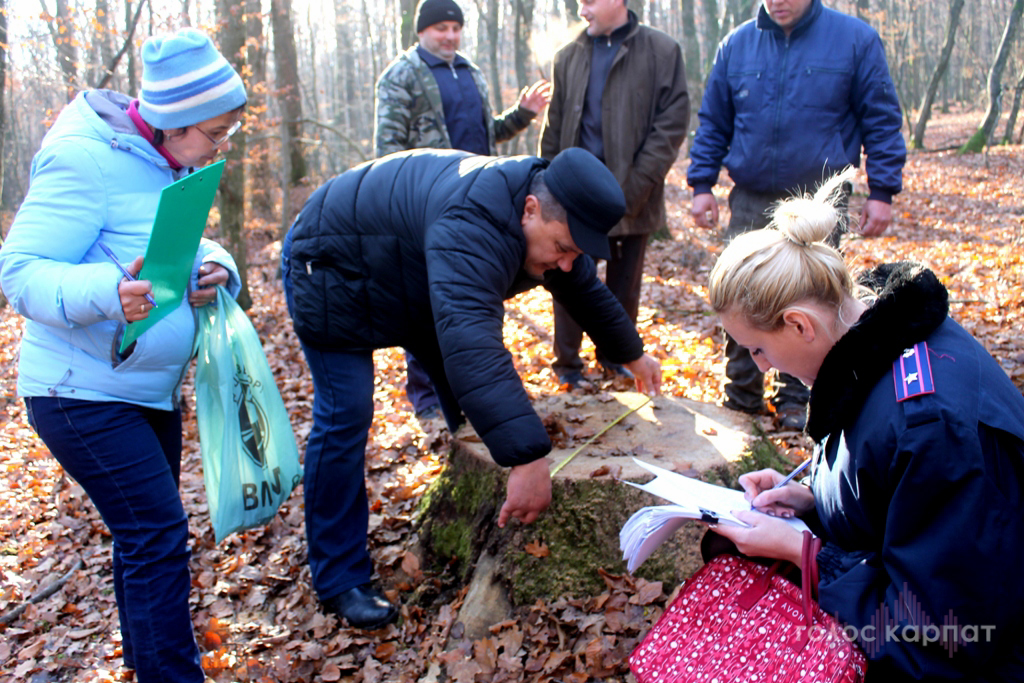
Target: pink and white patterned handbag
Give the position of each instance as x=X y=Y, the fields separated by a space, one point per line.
x=736 y=620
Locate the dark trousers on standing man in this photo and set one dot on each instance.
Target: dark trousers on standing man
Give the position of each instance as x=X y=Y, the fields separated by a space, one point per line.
x=744 y=386
x=624 y=274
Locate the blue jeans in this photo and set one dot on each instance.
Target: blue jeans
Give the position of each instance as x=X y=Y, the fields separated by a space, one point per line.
x=337 y=510
x=128 y=459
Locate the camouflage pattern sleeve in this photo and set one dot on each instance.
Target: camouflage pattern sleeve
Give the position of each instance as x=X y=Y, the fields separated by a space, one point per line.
x=393 y=112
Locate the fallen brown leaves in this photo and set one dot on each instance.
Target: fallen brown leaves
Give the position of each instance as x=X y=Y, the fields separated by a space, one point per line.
x=255 y=612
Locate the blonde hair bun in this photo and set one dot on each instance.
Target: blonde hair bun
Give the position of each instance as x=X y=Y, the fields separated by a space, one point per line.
x=808 y=219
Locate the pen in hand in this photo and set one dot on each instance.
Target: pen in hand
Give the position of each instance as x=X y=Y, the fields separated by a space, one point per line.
x=124 y=271
x=788 y=478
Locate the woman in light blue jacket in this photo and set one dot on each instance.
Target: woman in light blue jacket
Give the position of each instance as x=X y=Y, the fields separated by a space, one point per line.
x=113 y=420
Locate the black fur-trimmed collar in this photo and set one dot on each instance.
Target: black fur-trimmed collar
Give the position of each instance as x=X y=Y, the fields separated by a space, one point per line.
x=911 y=304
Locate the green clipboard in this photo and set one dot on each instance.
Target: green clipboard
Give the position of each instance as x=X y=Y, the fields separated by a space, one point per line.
x=177 y=228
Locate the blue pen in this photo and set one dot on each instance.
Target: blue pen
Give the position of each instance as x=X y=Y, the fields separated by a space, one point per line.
x=789 y=477
x=124 y=271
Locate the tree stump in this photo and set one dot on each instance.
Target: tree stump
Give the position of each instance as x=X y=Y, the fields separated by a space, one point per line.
x=560 y=554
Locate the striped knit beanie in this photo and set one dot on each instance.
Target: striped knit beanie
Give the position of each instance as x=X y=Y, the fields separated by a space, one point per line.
x=185 y=81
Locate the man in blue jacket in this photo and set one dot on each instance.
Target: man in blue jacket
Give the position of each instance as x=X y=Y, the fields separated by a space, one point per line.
x=420 y=249
x=792 y=98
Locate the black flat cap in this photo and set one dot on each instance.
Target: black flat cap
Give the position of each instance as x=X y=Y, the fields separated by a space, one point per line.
x=590 y=195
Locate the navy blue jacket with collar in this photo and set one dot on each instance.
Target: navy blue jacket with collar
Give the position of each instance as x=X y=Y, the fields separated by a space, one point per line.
x=420 y=249
x=785 y=112
x=921 y=498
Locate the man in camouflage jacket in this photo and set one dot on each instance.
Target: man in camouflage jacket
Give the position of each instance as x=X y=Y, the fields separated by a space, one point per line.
x=431 y=96
x=410 y=112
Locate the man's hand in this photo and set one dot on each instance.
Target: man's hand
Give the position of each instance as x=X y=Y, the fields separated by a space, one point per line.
x=536 y=97
x=704 y=210
x=875 y=218
x=529 y=492
x=647 y=372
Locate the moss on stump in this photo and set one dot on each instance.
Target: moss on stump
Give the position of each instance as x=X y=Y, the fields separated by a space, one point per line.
x=562 y=552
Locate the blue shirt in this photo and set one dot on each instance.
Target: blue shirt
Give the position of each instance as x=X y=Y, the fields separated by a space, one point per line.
x=463 y=108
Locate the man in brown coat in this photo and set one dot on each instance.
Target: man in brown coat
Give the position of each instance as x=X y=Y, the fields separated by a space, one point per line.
x=620 y=93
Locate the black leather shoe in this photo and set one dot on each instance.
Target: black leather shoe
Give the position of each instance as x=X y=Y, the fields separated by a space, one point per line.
x=791 y=417
x=362 y=607
x=574 y=379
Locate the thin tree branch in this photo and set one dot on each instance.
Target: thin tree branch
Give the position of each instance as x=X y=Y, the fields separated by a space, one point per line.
x=41 y=594
x=124 y=48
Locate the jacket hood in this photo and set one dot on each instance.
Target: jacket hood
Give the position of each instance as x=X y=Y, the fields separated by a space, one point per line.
x=911 y=304
x=102 y=115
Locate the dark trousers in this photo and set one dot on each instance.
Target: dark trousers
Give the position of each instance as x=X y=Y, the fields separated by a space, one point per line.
x=128 y=459
x=337 y=509
x=418 y=387
x=624 y=274
x=744 y=386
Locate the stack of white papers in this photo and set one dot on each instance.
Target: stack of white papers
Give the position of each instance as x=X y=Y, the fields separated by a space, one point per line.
x=694 y=499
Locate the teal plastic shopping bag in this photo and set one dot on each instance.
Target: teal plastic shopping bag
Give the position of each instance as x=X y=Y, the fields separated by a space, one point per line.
x=250 y=460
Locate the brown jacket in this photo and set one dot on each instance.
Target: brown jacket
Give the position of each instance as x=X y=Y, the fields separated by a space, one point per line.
x=645 y=116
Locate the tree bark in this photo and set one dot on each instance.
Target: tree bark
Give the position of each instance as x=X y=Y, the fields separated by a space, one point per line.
x=692 y=60
x=1011 y=121
x=712 y=31
x=62 y=31
x=523 y=24
x=925 y=110
x=286 y=64
x=408 y=32
x=232 y=35
x=131 y=21
x=3 y=104
x=995 y=75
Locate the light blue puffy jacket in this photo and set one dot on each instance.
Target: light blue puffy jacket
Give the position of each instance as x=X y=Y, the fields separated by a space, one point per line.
x=94 y=178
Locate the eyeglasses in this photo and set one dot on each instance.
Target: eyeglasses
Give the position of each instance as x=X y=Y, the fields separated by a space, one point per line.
x=217 y=142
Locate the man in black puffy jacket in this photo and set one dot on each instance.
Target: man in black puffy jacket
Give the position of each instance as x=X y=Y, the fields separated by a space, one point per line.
x=420 y=250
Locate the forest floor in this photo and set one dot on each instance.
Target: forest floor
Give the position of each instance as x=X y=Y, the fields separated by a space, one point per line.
x=254 y=609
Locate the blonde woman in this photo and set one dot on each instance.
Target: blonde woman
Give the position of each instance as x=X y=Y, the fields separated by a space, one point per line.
x=916 y=482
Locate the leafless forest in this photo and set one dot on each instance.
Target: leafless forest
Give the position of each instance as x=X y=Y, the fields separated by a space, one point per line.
x=310 y=68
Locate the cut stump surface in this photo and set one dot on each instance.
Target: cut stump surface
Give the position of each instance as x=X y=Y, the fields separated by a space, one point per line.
x=561 y=553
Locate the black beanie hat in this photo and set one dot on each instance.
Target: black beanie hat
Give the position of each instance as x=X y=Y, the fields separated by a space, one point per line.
x=591 y=196
x=430 y=12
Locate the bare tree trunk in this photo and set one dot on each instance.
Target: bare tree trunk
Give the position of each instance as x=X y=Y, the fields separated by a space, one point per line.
x=3 y=104
x=1011 y=121
x=995 y=75
x=712 y=31
x=408 y=32
x=490 y=18
x=260 y=173
x=692 y=60
x=63 y=34
x=126 y=48
x=925 y=110
x=131 y=21
x=286 y=65
x=232 y=190
x=523 y=24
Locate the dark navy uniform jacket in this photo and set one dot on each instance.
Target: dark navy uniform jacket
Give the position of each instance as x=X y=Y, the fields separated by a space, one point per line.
x=918 y=481
x=420 y=249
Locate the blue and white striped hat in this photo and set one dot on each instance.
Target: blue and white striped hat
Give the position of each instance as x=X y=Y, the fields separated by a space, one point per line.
x=185 y=81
